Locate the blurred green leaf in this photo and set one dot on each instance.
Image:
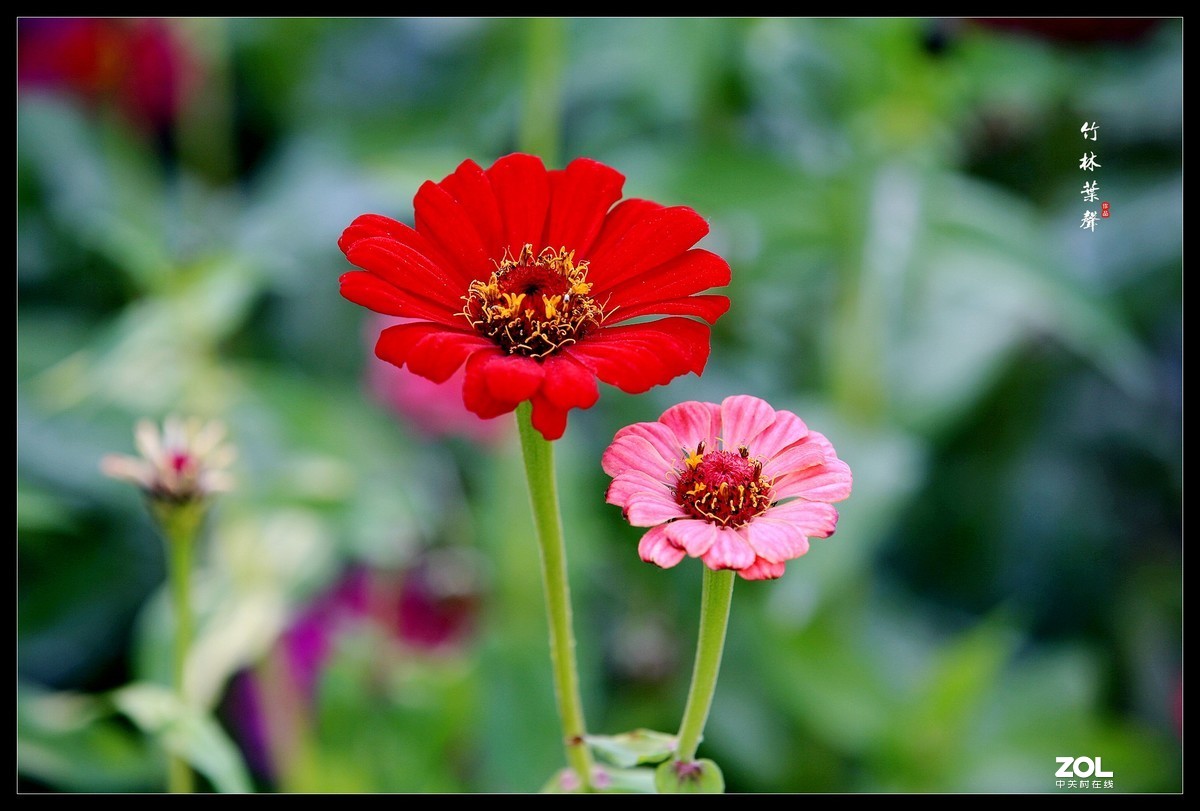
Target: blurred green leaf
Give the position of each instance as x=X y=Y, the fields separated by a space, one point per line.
x=66 y=741
x=629 y=749
x=186 y=731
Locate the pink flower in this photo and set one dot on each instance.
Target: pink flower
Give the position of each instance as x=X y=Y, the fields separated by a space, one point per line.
x=739 y=485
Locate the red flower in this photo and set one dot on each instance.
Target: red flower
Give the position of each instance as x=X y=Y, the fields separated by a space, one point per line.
x=524 y=274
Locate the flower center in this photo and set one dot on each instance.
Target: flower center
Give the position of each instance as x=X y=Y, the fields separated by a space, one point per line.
x=534 y=305
x=723 y=487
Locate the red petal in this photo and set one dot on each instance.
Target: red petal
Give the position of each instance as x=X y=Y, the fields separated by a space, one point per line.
x=568 y=384
x=438 y=355
x=511 y=378
x=710 y=308
x=547 y=418
x=376 y=225
x=396 y=342
x=638 y=356
x=472 y=189
x=476 y=396
x=402 y=266
x=523 y=194
x=684 y=275
x=654 y=239
x=449 y=225
x=622 y=217
x=580 y=197
x=375 y=294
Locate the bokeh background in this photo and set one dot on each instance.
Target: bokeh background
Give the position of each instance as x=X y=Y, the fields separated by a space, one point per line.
x=900 y=203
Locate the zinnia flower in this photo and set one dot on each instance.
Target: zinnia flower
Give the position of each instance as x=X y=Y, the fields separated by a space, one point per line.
x=739 y=485
x=183 y=463
x=524 y=275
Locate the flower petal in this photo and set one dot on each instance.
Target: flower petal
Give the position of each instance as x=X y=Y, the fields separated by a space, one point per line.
x=448 y=224
x=795 y=458
x=762 y=569
x=815 y=519
x=469 y=185
x=657 y=237
x=694 y=535
x=692 y=272
x=523 y=194
x=439 y=355
x=396 y=343
x=710 y=308
x=636 y=357
x=631 y=483
x=775 y=541
x=511 y=378
x=580 y=197
x=728 y=551
x=375 y=294
x=568 y=383
x=830 y=481
x=693 y=423
x=632 y=452
x=743 y=418
x=548 y=418
x=406 y=268
x=648 y=509
x=656 y=547
x=476 y=396
x=788 y=429
x=662 y=438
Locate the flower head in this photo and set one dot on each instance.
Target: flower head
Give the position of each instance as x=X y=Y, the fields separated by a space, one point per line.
x=184 y=462
x=527 y=275
x=739 y=485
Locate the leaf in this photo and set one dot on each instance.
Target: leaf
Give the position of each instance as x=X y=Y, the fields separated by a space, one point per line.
x=64 y=741
x=629 y=749
x=698 y=777
x=624 y=781
x=186 y=732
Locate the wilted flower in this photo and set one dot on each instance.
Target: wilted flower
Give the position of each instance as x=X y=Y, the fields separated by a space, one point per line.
x=739 y=485
x=184 y=462
x=523 y=275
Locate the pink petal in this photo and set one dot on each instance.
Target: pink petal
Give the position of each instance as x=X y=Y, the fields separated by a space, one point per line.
x=830 y=481
x=798 y=457
x=775 y=541
x=633 y=452
x=694 y=535
x=669 y=446
x=728 y=551
x=815 y=519
x=743 y=418
x=631 y=483
x=762 y=569
x=694 y=422
x=788 y=429
x=656 y=547
x=648 y=509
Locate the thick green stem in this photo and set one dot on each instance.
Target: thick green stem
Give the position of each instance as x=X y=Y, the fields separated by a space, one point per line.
x=715 y=599
x=180 y=537
x=543 y=498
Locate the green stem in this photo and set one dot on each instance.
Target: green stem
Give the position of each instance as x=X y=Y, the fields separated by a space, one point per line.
x=715 y=599
x=541 y=90
x=543 y=498
x=180 y=524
